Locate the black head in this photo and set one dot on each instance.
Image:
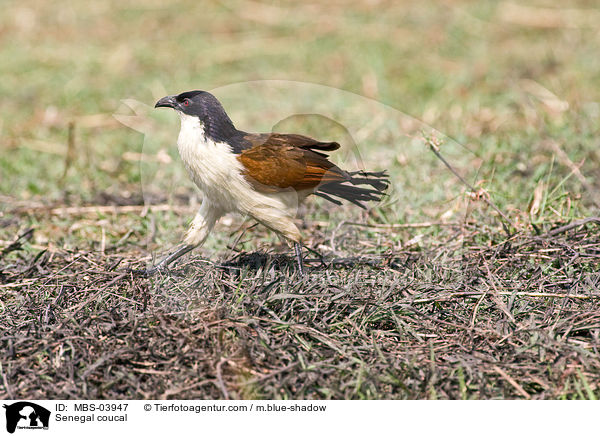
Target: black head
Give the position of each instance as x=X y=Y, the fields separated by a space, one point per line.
x=195 y=103
x=204 y=106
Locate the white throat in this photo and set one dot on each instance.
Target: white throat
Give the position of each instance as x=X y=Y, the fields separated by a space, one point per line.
x=211 y=165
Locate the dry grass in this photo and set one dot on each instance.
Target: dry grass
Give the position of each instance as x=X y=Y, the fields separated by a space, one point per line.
x=516 y=319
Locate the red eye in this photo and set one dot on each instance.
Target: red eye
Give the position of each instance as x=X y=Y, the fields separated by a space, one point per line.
x=186 y=102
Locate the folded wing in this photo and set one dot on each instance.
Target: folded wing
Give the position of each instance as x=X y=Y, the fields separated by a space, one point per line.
x=278 y=161
x=274 y=162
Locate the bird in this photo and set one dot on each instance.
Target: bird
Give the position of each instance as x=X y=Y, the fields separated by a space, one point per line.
x=261 y=175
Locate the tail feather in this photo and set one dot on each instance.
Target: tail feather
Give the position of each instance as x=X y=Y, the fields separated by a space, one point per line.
x=328 y=198
x=378 y=180
x=348 y=189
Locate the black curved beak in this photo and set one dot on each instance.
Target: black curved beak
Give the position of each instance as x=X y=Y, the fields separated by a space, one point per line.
x=168 y=101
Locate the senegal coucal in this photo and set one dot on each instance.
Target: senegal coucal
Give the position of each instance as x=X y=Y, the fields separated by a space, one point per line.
x=262 y=175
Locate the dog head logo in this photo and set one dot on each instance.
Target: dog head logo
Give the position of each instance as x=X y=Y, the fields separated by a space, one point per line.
x=24 y=414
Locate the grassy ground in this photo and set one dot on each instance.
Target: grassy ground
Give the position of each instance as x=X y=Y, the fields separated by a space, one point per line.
x=441 y=291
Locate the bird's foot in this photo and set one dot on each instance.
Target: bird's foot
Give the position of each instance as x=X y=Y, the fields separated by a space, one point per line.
x=163 y=265
x=147 y=272
x=302 y=273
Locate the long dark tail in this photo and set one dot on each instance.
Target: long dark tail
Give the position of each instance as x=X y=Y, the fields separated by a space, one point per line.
x=348 y=190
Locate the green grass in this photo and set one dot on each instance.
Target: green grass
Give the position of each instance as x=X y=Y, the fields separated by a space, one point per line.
x=461 y=70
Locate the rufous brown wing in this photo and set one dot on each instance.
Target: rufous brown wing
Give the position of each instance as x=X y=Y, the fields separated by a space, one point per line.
x=280 y=161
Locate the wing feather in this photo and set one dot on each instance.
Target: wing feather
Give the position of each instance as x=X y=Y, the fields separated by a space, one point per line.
x=278 y=164
x=294 y=140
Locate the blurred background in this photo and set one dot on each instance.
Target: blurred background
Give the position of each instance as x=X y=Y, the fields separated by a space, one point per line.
x=511 y=88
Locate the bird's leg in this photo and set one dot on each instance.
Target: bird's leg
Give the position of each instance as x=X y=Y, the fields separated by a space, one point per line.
x=298 y=251
x=163 y=264
x=201 y=226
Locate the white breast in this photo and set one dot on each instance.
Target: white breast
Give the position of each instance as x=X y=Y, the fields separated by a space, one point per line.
x=215 y=169
x=211 y=165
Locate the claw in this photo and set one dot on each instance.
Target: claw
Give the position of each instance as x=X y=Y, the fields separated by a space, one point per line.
x=147 y=272
x=138 y=272
x=163 y=265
